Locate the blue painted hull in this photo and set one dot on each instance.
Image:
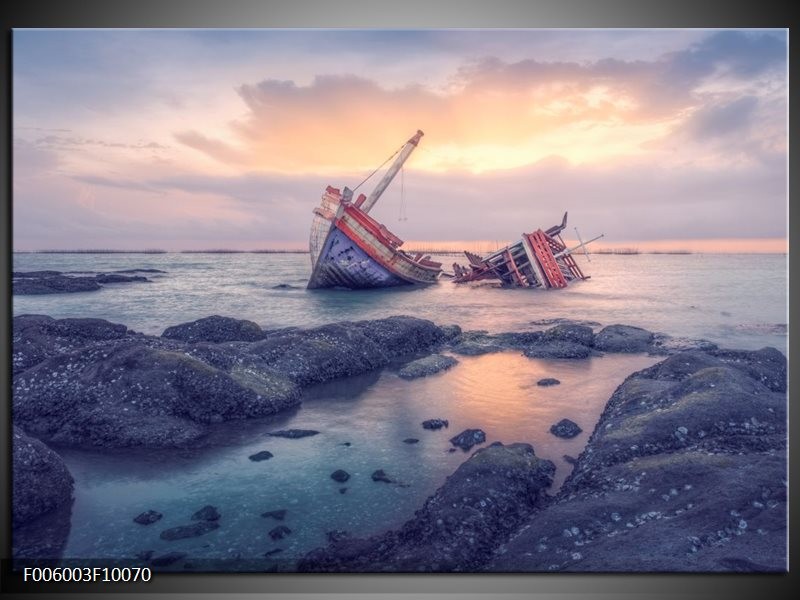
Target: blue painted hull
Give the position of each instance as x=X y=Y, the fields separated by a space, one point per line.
x=342 y=263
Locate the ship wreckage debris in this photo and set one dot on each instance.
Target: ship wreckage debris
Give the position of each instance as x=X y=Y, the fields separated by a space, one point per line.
x=350 y=249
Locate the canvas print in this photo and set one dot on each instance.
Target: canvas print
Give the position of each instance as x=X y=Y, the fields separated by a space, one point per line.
x=501 y=300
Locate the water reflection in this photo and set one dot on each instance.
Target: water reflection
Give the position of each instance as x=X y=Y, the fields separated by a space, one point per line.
x=362 y=422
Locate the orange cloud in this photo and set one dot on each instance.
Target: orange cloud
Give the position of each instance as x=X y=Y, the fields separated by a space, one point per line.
x=495 y=115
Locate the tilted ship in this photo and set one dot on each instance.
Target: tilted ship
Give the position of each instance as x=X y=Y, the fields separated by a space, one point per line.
x=350 y=249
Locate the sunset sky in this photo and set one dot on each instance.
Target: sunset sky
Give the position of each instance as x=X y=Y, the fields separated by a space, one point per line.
x=186 y=139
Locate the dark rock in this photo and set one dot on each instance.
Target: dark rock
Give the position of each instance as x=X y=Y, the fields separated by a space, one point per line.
x=279 y=532
x=147 y=517
x=278 y=515
x=341 y=349
x=293 y=433
x=207 y=513
x=450 y=332
x=189 y=531
x=663 y=344
x=570 y=332
x=435 y=423
x=548 y=381
x=451 y=450
x=474 y=343
x=340 y=475
x=565 y=429
x=114 y=278
x=516 y=340
x=54 y=284
x=34 y=274
x=346 y=444
x=427 y=366
x=468 y=438
x=145 y=555
x=87 y=382
x=487 y=497
x=410 y=441
x=557 y=349
x=139 y=271
x=259 y=456
x=41 y=482
x=767 y=366
x=215 y=329
x=37 y=337
x=401 y=335
x=269 y=553
x=564 y=321
x=336 y=535
x=123 y=393
x=285 y=286
x=623 y=338
x=43 y=538
x=570 y=459
x=342 y=490
x=167 y=559
x=474 y=348
x=380 y=475
x=689 y=457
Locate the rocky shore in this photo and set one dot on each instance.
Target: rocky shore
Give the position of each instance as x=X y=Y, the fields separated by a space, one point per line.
x=41 y=498
x=27 y=283
x=685 y=470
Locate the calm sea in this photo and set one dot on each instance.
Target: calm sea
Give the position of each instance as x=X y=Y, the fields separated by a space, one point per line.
x=737 y=301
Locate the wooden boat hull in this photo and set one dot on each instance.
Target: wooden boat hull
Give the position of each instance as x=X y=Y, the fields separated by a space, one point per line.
x=358 y=255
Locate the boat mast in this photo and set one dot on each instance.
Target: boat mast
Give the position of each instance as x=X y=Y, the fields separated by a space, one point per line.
x=408 y=148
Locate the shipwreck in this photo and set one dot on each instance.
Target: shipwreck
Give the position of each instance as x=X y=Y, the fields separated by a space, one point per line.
x=540 y=259
x=350 y=249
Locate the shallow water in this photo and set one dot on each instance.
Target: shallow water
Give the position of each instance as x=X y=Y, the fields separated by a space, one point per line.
x=374 y=413
x=734 y=300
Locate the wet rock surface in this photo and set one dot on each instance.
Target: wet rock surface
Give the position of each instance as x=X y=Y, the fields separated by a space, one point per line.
x=380 y=475
x=340 y=475
x=147 y=517
x=623 y=338
x=293 y=433
x=459 y=525
x=565 y=429
x=259 y=456
x=56 y=282
x=41 y=482
x=547 y=382
x=88 y=382
x=116 y=278
x=215 y=329
x=427 y=366
x=570 y=332
x=689 y=457
x=468 y=438
x=575 y=339
x=558 y=349
x=41 y=499
x=435 y=424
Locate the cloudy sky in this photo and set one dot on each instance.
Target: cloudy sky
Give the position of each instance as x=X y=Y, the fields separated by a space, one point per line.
x=182 y=139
